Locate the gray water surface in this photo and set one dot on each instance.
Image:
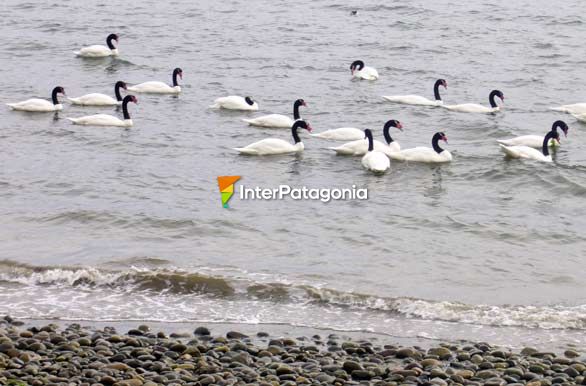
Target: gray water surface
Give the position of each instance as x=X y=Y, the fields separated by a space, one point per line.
x=114 y=224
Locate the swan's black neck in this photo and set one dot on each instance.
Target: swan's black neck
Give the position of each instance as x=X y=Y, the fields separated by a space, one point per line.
x=117 y=88
x=551 y=135
x=176 y=73
x=249 y=101
x=386 y=134
x=434 y=142
x=436 y=92
x=491 y=97
x=294 y=128
x=54 y=95
x=368 y=135
x=296 y=105
x=127 y=99
x=357 y=65
x=109 y=41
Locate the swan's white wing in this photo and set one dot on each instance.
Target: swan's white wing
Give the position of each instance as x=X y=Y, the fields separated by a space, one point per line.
x=272 y=120
x=96 y=51
x=412 y=100
x=576 y=108
x=341 y=134
x=94 y=100
x=535 y=141
x=155 y=87
x=422 y=154
x=368 y=73
x=525 y=152
x=471 y=108
x=376 y=161
x=35 y=105
x=271 y=146
x=101 y=120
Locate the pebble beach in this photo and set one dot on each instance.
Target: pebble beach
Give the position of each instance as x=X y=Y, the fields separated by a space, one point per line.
x=69 y=354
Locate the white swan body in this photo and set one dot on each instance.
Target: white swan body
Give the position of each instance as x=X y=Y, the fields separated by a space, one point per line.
x=234 y=102
x=418 y=100
x=277 y=120
x=580 y=117
x=341 y=134
x=527 y=152
x=274 y=146
x=37 y=105
x=108 y=120
x=534 y=141
x=156 y=87
x=360 y=71
x=576 y=108
x=96 y=99
x=476 y=108
x=360 y=147
x=374 y=160
x=100 y=51
x=425 y=154
x=101 y=120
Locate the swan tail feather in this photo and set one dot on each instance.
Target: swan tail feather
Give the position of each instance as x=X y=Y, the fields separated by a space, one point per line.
x=503 y=142
x=560 y=108
x=214 y=106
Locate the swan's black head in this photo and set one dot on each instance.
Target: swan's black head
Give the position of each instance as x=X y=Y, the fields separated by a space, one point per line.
x=493 y=94
x=354 y=13
x=442 y=82
x=109 y=40
x=130 y=98
x=178 y=72
x=302 y=125
x=120 y=84
x=300 y=102
x=249 y=100
x=440 y=136
x=561 y=125
x=357 y=65
x=59 y=90
x=394 y=123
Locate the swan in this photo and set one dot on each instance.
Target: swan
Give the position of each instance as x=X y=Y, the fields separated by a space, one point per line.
x=360 y=146
x=576 y=108
x=278 y=120
x=374 y=160
x=535 y=141
x=108 y=120
x=156 y=87
x=234 y=102
x=419 y=100
x=425 y=154
x=475 y=108
x=531 y=153
x=359 y=71
x=40 y=105
x=100 y=99
x=99 y=51
x=270 y=146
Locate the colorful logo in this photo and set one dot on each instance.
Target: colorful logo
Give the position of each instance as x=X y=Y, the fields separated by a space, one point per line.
x=226 y=184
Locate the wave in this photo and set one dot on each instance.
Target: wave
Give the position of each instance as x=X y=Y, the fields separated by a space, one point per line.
x=178 y=283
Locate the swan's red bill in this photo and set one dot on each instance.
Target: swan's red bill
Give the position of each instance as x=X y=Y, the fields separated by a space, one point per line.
x=309 y=128
x=399 y=126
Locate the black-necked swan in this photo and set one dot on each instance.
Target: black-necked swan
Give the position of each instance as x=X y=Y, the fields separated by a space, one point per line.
x=530 y=152
x=97 y=99
x=420 y=100
x=108 y=120
x=278 y=120
x=360 y=71
x=476 y=108
x=435 y=154
x=535 y=141
x=235 y=102
x=374 y=160
x=576 y=108
x=156 y=87
x=100 y=51
x=270 y=146
x=360 y=146
x=40 y=105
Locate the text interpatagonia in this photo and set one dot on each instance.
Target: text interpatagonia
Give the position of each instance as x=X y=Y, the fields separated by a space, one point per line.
x=303 y=193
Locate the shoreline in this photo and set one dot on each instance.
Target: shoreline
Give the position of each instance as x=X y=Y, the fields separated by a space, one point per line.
x=38 y=352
